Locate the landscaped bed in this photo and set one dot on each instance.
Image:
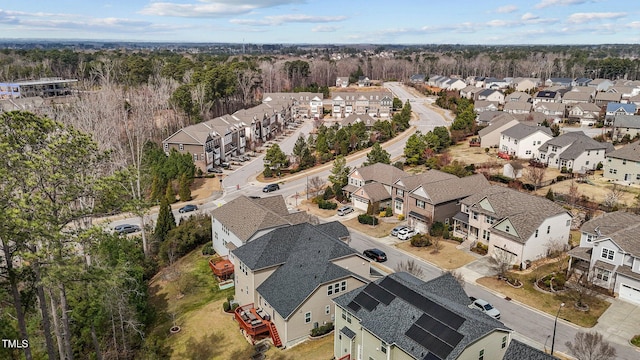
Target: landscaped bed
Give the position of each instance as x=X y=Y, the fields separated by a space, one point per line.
x=449 y=257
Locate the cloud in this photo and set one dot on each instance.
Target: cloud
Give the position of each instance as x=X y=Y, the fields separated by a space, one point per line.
x=546 y=3
x=578 y=18
x=290 y=18
x=529 y=16
x=325 y=28
x=507 y=9
x=212 y=8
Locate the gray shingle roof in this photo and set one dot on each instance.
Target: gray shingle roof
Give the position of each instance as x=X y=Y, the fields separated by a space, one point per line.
x=521 y=131
x=375 y=192
x=457 y=188
x=391 y=322
x=627 y=121
x=411 y=182
x=579 y=143
x=518 y=105
x=521 y=351
x=629 y=152
x=525 y=212
x=379 y=172
x=577 y=96
x=496 y=123
x=303 y=253
x=622 y=227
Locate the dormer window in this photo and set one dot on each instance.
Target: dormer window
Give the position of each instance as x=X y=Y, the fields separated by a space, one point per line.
x=591 y=237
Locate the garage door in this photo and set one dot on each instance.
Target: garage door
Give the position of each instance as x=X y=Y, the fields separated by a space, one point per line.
x=360 y=203
x=629 y=293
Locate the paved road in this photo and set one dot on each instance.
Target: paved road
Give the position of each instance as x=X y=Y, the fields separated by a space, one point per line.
x=428 y=119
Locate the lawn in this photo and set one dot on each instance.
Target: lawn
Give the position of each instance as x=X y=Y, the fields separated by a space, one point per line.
x=381 y=230
x=548 y=302
x=310 y=349
x=449 y=257
x=313 y=209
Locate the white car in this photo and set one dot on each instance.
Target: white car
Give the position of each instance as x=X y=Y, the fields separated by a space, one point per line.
x=345 y=210
x=406 y=233
x=485 y=307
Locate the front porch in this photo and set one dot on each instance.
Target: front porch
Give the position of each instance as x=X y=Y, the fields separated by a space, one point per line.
x=256 y=324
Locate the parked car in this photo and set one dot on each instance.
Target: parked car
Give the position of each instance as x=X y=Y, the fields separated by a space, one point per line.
x=225 y=165
x=271 y=187
x=345 y=210
x=215 y=170
x=375 y=254
x=126 y=229
x=245 y=158
x=395 y=230
x=406 y=233
x=485 y=307
x=187 y=208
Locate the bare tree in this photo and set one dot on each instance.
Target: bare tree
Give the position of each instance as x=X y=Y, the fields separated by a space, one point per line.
x=582 y=287
x=410 y=266
x=316 y=184
x=501 y=261
x=456 y=275
x=591 y=346
x=612 y=198
x=574 y=194
x=534 y=175
x=555 y=247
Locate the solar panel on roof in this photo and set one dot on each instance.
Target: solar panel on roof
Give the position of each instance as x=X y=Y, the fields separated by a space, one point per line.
x=379 y=293
x=442 y=331
x=429 y=342
x=431 y=356
x=353 y=306
x=366 y=301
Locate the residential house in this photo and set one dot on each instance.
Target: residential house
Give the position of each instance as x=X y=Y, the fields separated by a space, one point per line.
x=483 y=105
x=624 y=164
x=437 y=80
x=587 y=114
x=525 y=84
x=403 y=317
x=551 y=110
x=454 y=84
x=470 y=92
x=303 y=104
x=518 y=96
x=546 y=96
x=517 y=227
x=43 y=88
x=575 y=151
x=591 y=91
x=520 y=351
x=285 y=280
x=576 y=97
x=355 y=118
x=565 y=82
x=635 y=100
x=609 y=253
x=601 y=84
x=495 y=84
x=417 y=78
x=491 y=95
x=603 y=98
x=244 y=219
x=614 y=109
x=342 y=81
x=484 y=118
x=625 y=126
x=533 y=118
x=364 y=81
x=517 y=107
x=490 y=135
x=374 y=103
x=582 y=81
x=523 y=140
x=371 y=186
x=626 y=92
x=432 y=196
x=476 y=81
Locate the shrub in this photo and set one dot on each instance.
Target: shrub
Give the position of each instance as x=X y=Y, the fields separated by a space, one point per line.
x=636 y=340
x=317 y=199
x=234 y=306
x=563 y=170
x=267 y=172
x=599 y=166
x=226 y=307
x=388 y=212
x=500 y=178
x=321 y=330
x=446 y=234
x=436 y=229
x=420 y=240
x=367 y=219
x=328 y=193
x=561 y=178
x=400 y=217
x=327 y=205
x=208 y=250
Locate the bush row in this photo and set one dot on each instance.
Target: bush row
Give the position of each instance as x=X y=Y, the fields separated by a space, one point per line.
x=321 y=330
x=367 y=219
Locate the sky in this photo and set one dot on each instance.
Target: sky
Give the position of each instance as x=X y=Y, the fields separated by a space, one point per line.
x=491 y=22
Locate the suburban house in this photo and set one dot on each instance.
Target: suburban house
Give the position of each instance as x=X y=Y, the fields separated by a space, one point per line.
x=601 y=84
x=582 y=81
x=564 y=82
x=523 y=140
x=624 y=164
x=635 y=100
x=525 y=84
x=614 y=109
x=516 y=227
x=573 y=150
x=484 y=118
x=433 y=196
x=342 y=81
x=576 y=97
x=303 y=104
x=371 y=185
x=403 y=317
x=517 y=107
x=285 y=280
x=603 y=98
x=364 y=81
x=626 y=92
x=244 y=219
x=454 y=84
x=374 y=103
x=417 y=78
x=625 y=125
x=551 y=110
x=518 y=96
x=609 y=253
x=470 y=92
x=490 y=95
x=495 y=83
x=490 y=135
x=355 y=118
x=587 y=114
x=546 y=96
x=483 y=105
x=43 y=88
x=269 y=118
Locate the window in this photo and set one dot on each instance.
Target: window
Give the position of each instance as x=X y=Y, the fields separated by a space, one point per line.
x=195 y=157
x=536 y=234
x=489 y=219
x=591 y=237
x=181 y=147
x=504 y=342
x=475 y=215
x=542 y=156
x=166 y=146
x=638 y=177
x=399 y=192
x=346 y=316
x=336 y=288
x=624 y=162
x=506 y=228
x=327 y=309
x=485 y=235
x=398 y=205
x=383 y=348
x=548 y=229
x=420 y=204
x=554 y=148
x=307 y=317
x=568 y=223
x=607 y=254
x=515 y=142
x=481 y=355
x=603 y=274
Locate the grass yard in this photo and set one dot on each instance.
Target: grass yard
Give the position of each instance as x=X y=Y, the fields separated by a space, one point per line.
x=311 y=349
x=449 y=257
x=381 y=230
x=313 y=209
x=548 y=302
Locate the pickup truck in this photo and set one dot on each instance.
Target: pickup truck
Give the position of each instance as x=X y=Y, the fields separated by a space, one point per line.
x=485 y=307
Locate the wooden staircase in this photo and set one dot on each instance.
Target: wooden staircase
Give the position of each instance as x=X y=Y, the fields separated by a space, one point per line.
x=274 y=335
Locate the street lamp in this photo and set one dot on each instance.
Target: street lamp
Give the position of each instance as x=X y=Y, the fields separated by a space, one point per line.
x=555 y=324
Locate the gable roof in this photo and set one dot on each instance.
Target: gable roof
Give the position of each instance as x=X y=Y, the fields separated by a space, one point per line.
x=577 y=96
x=629 y=152
x=379 y=172
x=375 y=191
x=608 y=96
x=521 y=131
x=517 y=105
x=552 y=106
x=578 y=143
x=627 y=121
x=622 y=227
x=496 y=123
x=355 y=118
x=304 y=255
x=628 y=108
x=521 y=351
x=244 y=217
x=411 y=182
x=526 y=212
x=587 y=107
x=546 y=94
x=488 y=115
x=400 y=308
x=518 y=96
x=451 y=189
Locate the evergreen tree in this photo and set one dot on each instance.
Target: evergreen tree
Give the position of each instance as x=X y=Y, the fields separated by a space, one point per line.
x=339 y=173
x=166 y=221
x=377 y=155
x=414 y=148
x=185 y=190
x=169 y=194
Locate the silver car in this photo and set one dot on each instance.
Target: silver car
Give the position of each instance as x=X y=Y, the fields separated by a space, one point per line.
x=345 y=210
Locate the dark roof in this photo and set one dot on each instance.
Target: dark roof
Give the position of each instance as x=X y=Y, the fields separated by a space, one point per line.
x=303 y=254
x=347 y=332
x=379 y=172
x=522 y=351
x=521 y=131
x=621 y=227
x=411 y=182
x=577 y=143
x=428 y=320
x=546 y=94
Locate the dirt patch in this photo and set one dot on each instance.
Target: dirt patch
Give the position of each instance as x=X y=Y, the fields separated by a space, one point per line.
x=596 y=189
x=203 y=188
x=381 y=230
x=475 y=155
x=449 y=257
x=313 y=209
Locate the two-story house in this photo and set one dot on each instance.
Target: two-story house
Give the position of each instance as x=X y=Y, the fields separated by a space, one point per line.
x=600 y=84
x=517 y=107
x=490 y=95
x=609 y=252
x=525 y=84
x=551 y=110
x=615 y=109
x=624 y=164
x=625 y=126
x=588 y=114
x=576 y=97
x=573 y=150
x=546 y=96
x=243 y=219
x=518 y=96
x=403 y=317
x=483 y=105
x=516 y=226
x=470 y=92
x=371 y=186
x=565 y=82
x=285 y=280
x=603 y=98
x=342 y=81
x=523 y=140
x=490 y=135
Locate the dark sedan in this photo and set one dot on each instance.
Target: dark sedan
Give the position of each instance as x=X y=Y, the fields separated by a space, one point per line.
x=187 y=208
x=375 y=254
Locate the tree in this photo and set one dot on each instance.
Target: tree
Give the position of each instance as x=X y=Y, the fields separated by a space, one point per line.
x=457 y=168
x=410 y=266
x=501 y=261
x=169 y=194
x=299 y=147
x=275 y=159
x=185 y=190
x=414 y=148
x=377 y=155
x=315 y=185
x=534 y=175
x=591 y=346
x=166 y=221
x=397 y=103
x=550 y=195
x=339 y=173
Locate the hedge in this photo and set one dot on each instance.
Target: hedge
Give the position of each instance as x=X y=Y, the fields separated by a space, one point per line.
x=367 y=219
x=420 y=240
x=321 y=330
x=327 y=205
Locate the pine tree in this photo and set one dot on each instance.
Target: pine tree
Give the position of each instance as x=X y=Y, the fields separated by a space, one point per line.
x=166 y=221
x=185 y=191
x=169 y=194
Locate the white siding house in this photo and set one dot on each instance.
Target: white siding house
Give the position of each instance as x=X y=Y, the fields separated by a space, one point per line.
x=523 y=140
